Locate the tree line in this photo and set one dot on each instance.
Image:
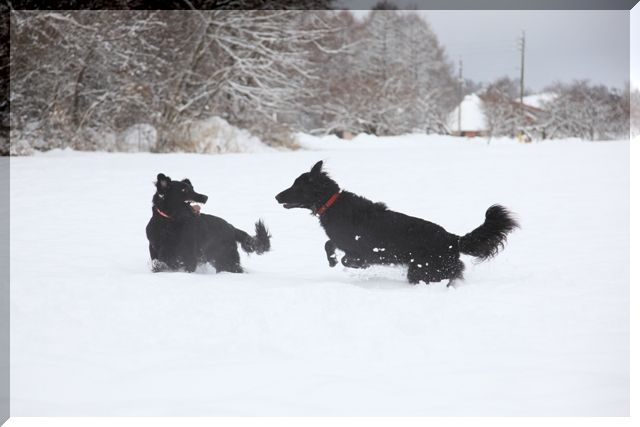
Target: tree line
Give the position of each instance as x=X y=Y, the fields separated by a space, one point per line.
x=578 y=109
x=77 y=75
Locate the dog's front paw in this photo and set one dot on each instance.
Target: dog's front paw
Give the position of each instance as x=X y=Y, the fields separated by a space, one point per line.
x=333 y=261
x=353 y=262
x=190 y=267
x=157 y=266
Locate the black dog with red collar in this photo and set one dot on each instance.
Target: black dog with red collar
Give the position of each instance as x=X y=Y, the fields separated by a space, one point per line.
x=369 y=233
x=180 y=237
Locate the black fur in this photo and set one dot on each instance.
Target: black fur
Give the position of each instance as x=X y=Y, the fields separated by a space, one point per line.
x=369 y=233
x=181 y=238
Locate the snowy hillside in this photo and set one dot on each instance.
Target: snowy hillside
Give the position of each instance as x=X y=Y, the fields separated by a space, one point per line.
x=543 y=329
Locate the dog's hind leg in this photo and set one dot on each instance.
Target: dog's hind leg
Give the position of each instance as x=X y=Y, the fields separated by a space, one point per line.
x=425 y=270
x=434 y=270
x=330 y=249
x=456 y=269
x=227 y=259
x=417 y=273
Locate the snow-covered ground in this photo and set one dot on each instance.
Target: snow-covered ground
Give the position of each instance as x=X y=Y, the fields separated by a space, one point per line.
x=543 y=329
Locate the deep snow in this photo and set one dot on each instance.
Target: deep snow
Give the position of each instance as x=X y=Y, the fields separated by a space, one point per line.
x=543 y=329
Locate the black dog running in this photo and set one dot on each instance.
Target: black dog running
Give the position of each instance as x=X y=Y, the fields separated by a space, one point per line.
x=369 y=233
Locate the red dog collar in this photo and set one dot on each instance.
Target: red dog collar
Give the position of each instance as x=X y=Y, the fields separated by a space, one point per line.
x=163 y=214
x=322 y=209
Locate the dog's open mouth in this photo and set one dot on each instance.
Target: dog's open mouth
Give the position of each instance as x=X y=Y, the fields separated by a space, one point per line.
x=195 y=207
x=291 y=205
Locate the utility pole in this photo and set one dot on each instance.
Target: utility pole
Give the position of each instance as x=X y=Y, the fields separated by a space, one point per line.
x=460 y=98
x=522 y=68
x=522 y=121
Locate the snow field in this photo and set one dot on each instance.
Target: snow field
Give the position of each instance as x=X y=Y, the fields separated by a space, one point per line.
x=543 y=329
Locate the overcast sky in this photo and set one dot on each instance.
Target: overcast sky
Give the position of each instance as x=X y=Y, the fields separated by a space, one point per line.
x=560 y=45
x=635 y=46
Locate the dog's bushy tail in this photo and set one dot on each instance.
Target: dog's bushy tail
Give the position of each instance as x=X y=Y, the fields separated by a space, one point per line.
x=487 y=240
x=259 y=243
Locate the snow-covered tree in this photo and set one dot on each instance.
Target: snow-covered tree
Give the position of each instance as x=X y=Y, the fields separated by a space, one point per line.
x=634 y=100
x=502 y=114
x=432 y=90
x=82 y=78
x=332 y=98
x=587 y=111
x=266 y=64
x=4 y=81
x=386 y=75
x=77 y=74
x=73 y=71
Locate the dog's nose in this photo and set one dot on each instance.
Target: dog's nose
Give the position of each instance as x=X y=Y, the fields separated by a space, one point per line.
x=283 y=195
x=205 y=198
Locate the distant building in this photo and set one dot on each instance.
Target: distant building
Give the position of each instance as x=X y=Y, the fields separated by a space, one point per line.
x=472 y=120
x=536 y=115
x=468 y=118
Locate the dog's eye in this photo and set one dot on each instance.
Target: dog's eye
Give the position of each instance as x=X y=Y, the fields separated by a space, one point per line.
x=184 y=189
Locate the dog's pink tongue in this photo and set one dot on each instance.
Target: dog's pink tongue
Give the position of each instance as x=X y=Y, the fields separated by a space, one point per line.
x=196 y=208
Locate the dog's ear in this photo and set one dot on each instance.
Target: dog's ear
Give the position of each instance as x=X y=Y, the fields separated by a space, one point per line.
x=163 y=182
x=316 y=170
x=186 y=181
